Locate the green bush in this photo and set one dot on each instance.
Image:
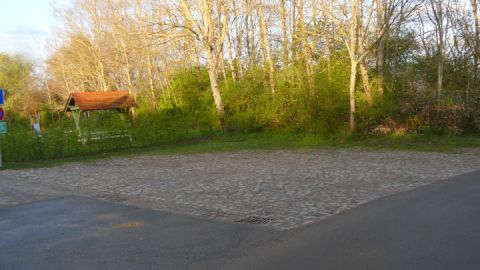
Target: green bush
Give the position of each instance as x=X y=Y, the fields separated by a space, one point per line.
x=317 y=107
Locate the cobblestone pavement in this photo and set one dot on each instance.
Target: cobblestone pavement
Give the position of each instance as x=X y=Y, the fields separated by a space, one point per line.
x=279 y=189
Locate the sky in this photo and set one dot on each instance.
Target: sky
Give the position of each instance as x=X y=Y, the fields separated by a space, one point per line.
x=25 y=25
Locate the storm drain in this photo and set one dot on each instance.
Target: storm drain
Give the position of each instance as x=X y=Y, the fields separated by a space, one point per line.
x=257 y=220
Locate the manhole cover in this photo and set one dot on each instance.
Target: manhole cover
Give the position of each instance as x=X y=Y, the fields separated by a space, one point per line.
x=255 y=220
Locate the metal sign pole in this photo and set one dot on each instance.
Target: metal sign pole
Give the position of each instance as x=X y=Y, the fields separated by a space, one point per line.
x=3 y=128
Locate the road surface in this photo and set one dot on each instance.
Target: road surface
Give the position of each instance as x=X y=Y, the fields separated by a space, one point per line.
x=431 y=227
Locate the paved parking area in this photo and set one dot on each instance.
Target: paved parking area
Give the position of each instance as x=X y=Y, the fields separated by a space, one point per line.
x=433 y=227
x=71 y=233
x=277 y=189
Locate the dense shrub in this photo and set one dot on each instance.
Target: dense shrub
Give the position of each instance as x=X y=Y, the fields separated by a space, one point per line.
x=185 y=112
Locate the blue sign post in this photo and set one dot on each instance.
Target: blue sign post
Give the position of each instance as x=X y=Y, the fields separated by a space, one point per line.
x=3 y=125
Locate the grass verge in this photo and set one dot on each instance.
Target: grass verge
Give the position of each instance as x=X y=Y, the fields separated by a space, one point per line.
x=279 y=142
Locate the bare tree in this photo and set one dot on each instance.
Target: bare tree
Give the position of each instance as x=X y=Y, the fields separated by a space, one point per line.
x=476 y=54
x=210 y=28
x=352 y=35
x=437 y=14
x=283 y=12
x=266 y=46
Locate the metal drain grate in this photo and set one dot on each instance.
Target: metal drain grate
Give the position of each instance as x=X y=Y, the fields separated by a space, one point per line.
x=255 y=220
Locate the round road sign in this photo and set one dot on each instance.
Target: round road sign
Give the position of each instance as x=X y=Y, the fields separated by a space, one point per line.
x=2 y=114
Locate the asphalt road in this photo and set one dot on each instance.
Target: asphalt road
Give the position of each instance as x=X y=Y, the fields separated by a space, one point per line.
x=79 y=233
x=433 y=227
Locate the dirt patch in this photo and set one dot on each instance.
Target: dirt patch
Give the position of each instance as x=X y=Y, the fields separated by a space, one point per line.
x=129 y=225
x=109 y=216
x=471 y=151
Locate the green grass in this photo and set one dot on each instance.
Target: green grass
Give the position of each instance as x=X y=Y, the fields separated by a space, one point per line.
x=278 y=142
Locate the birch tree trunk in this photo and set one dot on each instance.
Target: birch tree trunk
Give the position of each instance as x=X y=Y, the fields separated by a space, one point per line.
x=352 y=50
x=437 y=16
x=211 y=36
x=247 y=34
x=97 y=40
x=366 y=82
x=362 y=43
x=148 y=48
x=441 y=60
x=266 y=47
x=230 y=58
x=283 y=13
x=239 y=41
x=307 y=56
x=476 y=54
x=326 y=35
x=293 y=30
x=353 y=80
x=213 y=75
x=253 y=49
x=380 y=28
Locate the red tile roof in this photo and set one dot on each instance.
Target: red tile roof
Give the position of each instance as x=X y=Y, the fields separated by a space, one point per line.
x=90 y=101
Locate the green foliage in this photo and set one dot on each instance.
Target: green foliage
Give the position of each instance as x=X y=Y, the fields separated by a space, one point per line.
x=185 y=116
x=14 y=72
x=303 y=107
x=15 y=79
x=315 y=108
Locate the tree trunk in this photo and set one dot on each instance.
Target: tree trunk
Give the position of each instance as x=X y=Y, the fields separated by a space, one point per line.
x=440 y=74
x=101 y=76
x=353 y=80
x=266 y=47
x=293 y=22
x=362 y=43
x=239 y=40
x=150 y=80
x=439 y=17
x=221 y=65
x=352 y=50
x=380 y=67
x=217 y=98
x=247 y=37
x=366 y=82
x=476 y=54
x=212 y=43
x=440 y=63
x=64 y=77
x=230 y=58
x=307 y=56
x=252 y=38
x=283 y=12
x=381 y=28
x=327 y=36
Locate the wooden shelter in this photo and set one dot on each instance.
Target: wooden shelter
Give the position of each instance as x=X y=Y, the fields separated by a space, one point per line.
x=94 y=101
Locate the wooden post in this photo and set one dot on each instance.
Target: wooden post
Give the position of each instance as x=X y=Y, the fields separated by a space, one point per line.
x=76 y=117
x=77 y=113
